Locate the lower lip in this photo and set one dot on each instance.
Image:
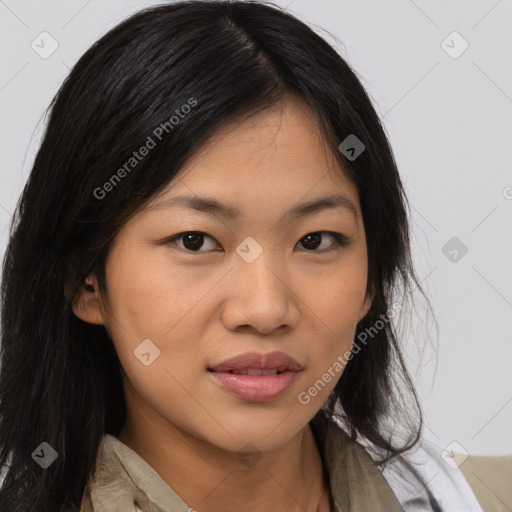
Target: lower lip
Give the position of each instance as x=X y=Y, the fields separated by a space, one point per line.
x=256 y=388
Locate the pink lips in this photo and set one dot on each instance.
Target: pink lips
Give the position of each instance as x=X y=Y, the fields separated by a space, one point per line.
x=257 y=377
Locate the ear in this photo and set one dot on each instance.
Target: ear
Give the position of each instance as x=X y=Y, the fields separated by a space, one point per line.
x=367 y=304
x=87 y=303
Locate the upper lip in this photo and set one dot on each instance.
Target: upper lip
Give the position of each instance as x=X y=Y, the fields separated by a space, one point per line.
x=271 y=360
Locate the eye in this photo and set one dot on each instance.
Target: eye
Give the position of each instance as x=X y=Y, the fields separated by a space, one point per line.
x=313 y=240
x=194 y=240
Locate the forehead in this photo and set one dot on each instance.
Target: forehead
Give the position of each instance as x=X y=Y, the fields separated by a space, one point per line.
x=277 y=155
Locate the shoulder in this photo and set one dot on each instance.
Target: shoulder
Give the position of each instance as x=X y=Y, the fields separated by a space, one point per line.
x=110 y=486
x=429 y=478
x=490 y=478
x=123 y=480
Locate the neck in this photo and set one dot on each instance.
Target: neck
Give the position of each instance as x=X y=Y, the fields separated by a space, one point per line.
x=208 y=479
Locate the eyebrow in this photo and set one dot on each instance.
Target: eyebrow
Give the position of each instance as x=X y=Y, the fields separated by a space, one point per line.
x=214 y=207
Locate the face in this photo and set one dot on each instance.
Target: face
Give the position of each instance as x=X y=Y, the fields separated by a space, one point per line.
x=275 y=286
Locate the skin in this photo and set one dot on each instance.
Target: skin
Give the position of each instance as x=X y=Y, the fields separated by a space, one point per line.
x=200 y=308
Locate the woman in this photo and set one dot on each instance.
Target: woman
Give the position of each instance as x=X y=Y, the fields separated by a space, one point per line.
x=201 y=280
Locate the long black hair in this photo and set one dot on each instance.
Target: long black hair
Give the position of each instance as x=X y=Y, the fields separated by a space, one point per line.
x=60 y=378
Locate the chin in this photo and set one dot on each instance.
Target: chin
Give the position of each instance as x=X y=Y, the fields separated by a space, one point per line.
x=255 y=434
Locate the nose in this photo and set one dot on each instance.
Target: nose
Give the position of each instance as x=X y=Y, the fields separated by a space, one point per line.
x=260 y=297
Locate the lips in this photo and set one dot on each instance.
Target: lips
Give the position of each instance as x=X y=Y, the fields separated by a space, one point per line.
x=253 y=363
x=256 y=377
x=258 y=371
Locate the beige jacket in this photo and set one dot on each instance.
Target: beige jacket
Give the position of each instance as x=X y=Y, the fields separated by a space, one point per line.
x=125 y=482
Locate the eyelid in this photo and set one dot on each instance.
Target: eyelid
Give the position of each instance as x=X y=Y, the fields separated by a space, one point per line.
x=341 y=241
x=170 y=241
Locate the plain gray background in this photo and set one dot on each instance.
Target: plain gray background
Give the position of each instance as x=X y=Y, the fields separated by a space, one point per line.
x=448 y=115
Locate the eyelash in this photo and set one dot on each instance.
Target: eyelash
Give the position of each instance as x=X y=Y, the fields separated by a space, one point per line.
x=339 y=240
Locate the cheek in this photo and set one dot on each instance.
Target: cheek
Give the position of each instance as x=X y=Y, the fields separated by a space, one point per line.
x=336 y=298
x=148 y=297
x=335 y=307
x=151 y=300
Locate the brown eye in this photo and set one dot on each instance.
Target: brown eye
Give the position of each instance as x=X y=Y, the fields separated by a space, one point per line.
x=313 y=240
x=192 y=241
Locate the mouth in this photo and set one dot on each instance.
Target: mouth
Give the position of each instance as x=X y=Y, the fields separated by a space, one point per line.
x=253 y=363
x=254 y=371
x=257 y=377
